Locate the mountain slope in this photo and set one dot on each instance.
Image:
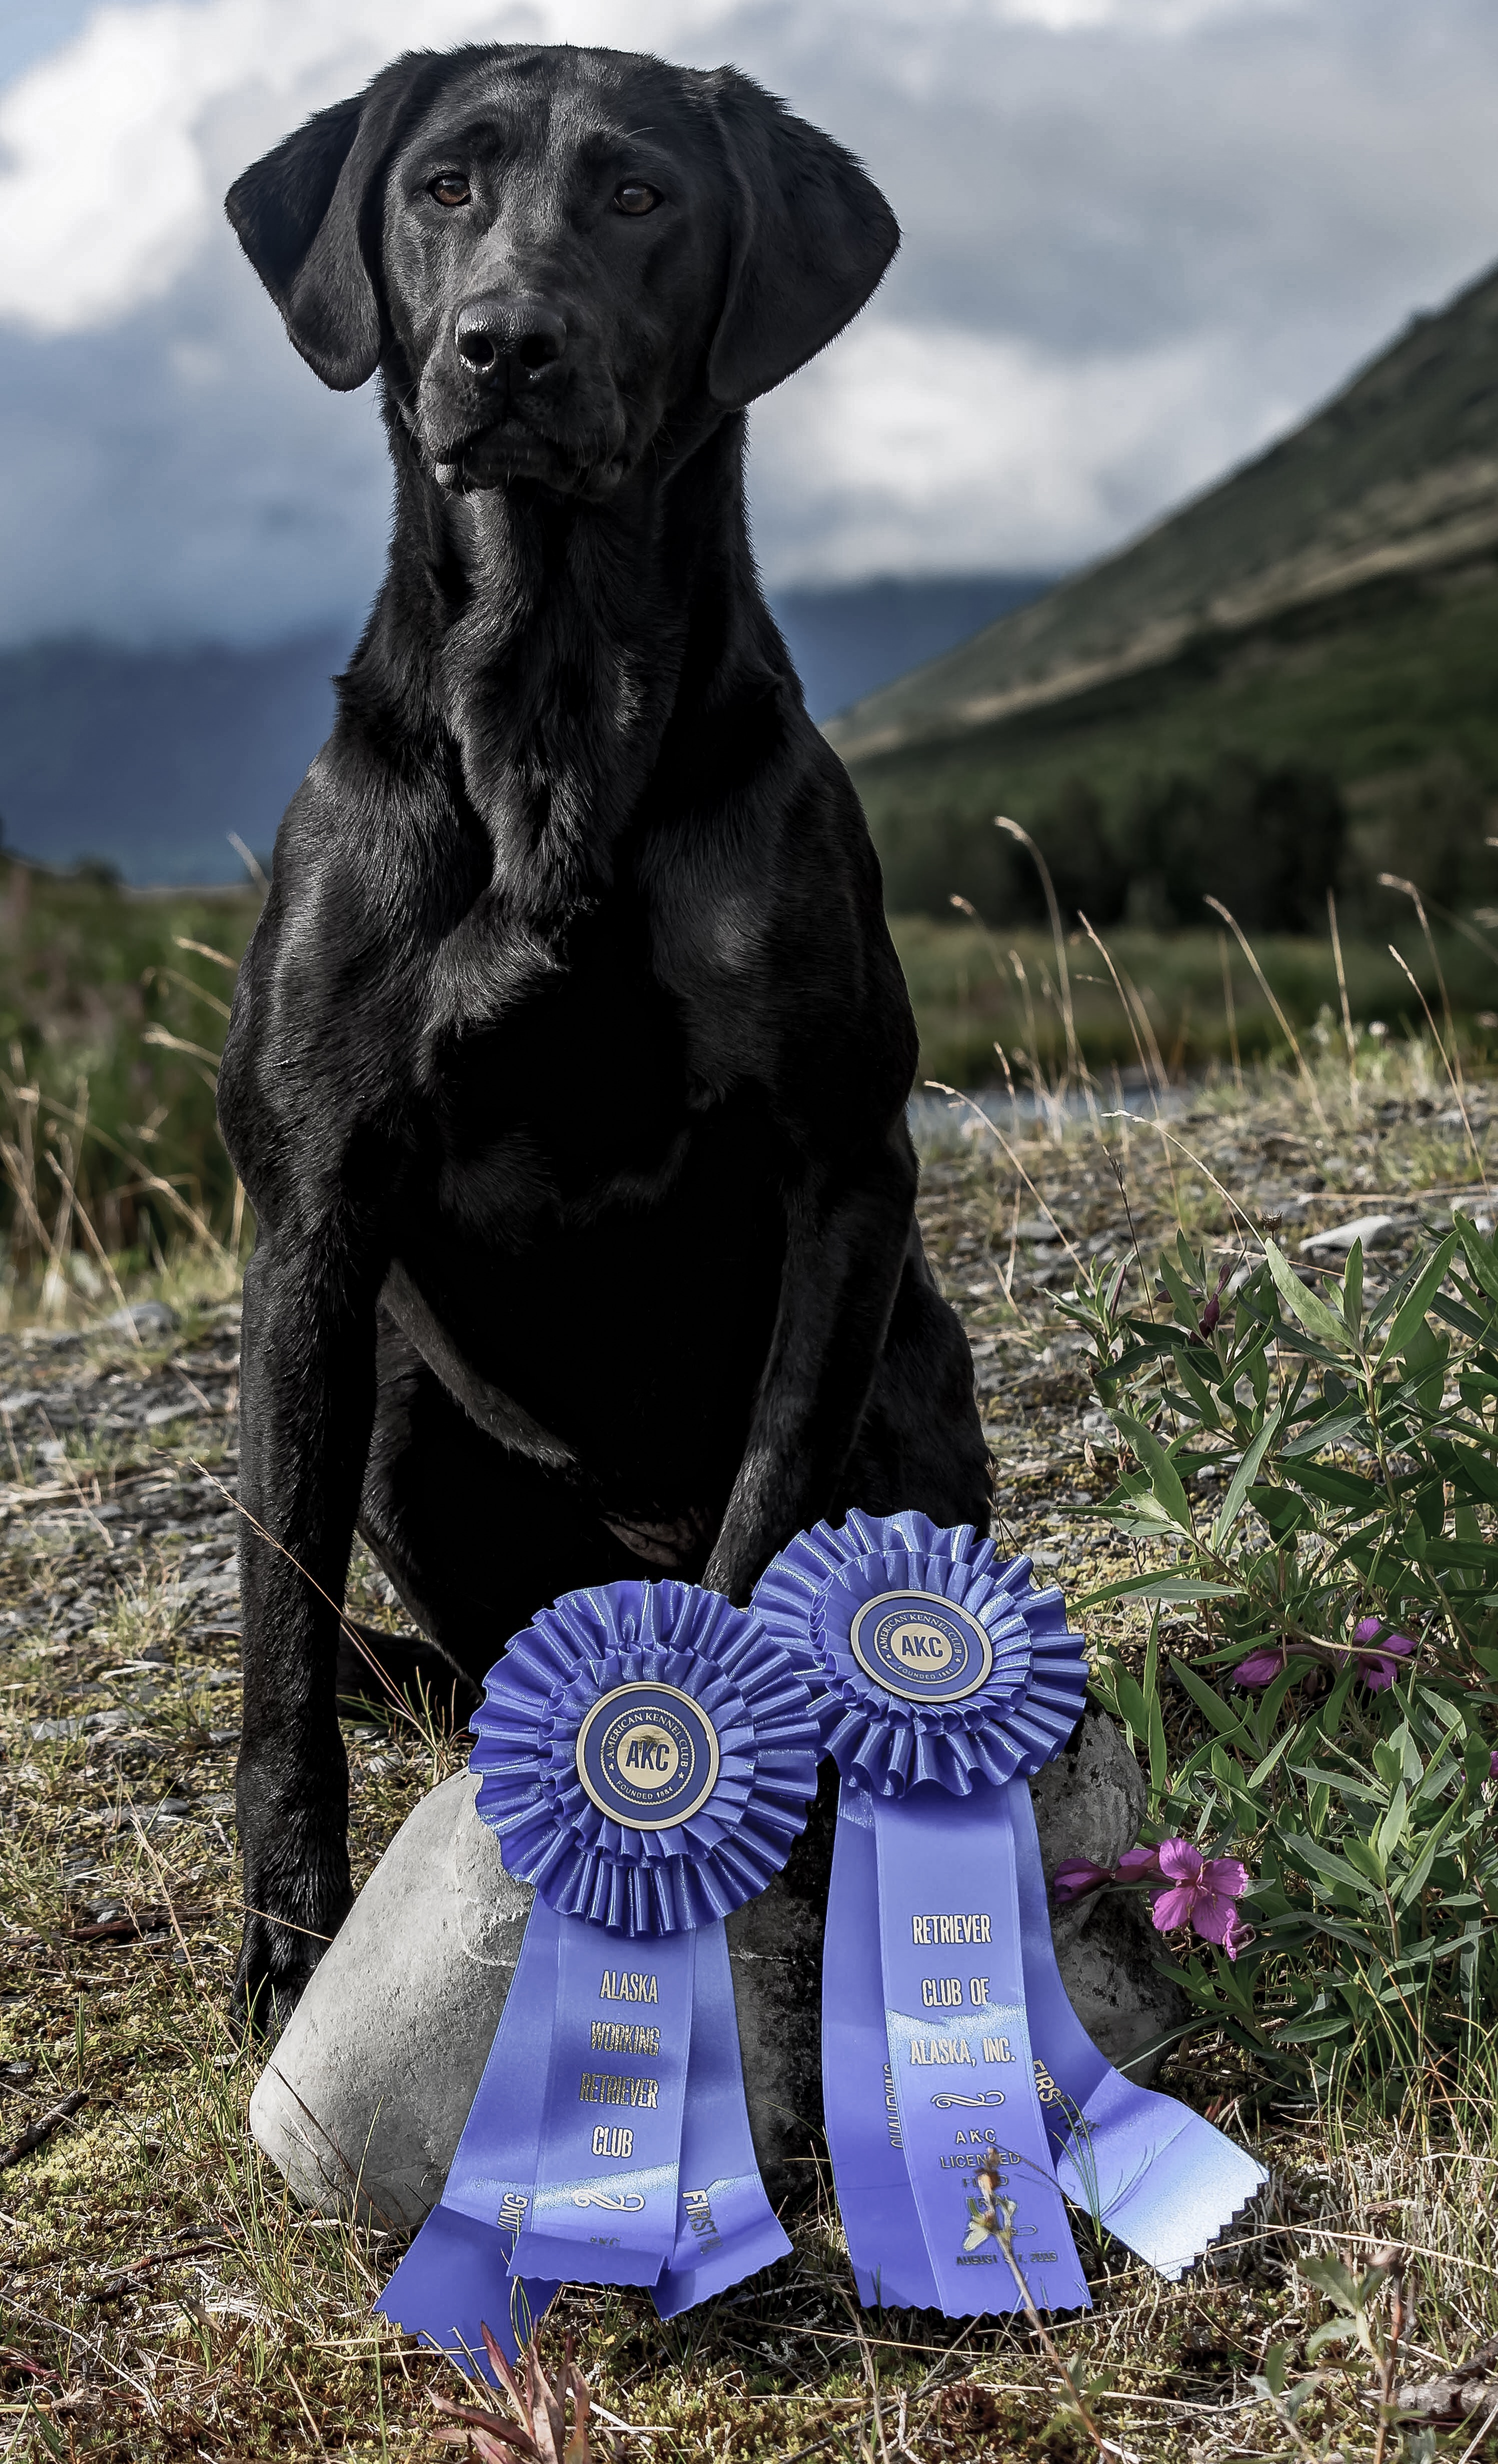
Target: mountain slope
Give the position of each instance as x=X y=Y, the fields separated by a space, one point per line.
x=1393 y=480
x=849 y=638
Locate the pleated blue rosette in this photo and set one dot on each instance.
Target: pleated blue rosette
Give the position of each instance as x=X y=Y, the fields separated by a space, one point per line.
x=964 y=2101
x=531 y=1792
x=646 y=1754
x=1015 y=1713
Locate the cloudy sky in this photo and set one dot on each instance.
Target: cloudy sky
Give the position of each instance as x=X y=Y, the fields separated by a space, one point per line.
x=1141 y=236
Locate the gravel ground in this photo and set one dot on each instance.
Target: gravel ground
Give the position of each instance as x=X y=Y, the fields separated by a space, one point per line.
x=156 y=2296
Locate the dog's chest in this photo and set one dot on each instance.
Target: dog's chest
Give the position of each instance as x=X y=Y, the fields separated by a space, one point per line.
x=552 y=1065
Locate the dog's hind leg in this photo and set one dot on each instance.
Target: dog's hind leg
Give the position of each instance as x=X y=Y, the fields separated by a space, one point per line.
x=474 y=1537
x=921 y=1441
x=385 y=1676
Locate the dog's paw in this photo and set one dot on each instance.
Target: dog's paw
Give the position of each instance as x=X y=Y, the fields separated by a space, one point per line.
x=267 y=1989
x=388 y=1677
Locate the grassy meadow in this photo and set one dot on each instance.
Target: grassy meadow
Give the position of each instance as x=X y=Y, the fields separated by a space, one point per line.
x=161 y=2301
x=113 y=1006
x=1163 y=1007
x=161 y=2297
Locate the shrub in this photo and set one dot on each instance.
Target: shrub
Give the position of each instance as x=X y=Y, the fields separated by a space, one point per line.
x=1333 y=1724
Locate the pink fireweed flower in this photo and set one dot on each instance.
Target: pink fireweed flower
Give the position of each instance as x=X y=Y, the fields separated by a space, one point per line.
x=1212 y=1313
x=1077 y=1878
x=1202 y=1893
x=1235 y=1935
x=1260 y=1667
x=1381 y=1666
x=1375 y=1648
x=1187 y=1888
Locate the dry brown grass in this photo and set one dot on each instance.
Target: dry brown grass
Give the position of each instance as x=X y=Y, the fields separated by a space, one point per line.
x=160 y=2297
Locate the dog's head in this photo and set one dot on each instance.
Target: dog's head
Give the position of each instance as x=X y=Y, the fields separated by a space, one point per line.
x=551 y=250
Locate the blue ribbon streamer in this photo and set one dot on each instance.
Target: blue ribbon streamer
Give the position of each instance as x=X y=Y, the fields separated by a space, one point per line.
x=963 y=2066
x=726 y=2227
x=963 y=2096
x=456 y=2276
x=908 y=2137
x=1155 y=2174
x=647 y=1757
x=603 y=2204
x=861 y=2105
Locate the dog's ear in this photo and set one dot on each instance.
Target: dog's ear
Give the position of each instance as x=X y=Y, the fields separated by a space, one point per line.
x=811 y=237
x=306 y=215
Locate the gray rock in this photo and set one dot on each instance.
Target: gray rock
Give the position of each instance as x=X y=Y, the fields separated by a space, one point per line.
x=1088 y=1802
x=1374 y=1231
x=365 y=2094
x=1108 y=1966
x=146 y=1317
x=363 y=2100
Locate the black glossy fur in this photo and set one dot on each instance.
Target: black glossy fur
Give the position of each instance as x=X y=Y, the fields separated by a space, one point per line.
x=568 y=1065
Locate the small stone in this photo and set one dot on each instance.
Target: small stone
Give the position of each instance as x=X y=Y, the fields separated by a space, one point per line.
x=146 y=1317
x=51 y=1731
x=1037 y=1228
x=171 y=1810
x=364 y=2096
x=1374 y=1231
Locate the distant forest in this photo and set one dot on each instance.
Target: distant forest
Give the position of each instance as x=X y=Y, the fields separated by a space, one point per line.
x=1268 y=839
x=1265 y=839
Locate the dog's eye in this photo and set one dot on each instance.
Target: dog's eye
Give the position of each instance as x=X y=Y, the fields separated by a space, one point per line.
x=452 y=190
x=633 y=197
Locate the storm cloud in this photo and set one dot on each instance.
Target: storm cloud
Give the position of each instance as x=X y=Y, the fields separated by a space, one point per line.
x=1141 y=236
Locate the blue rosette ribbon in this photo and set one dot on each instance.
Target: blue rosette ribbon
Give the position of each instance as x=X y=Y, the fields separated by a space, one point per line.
x=964 y=2101
x=646 y=1755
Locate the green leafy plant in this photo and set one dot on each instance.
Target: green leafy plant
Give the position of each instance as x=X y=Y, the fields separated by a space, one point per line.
x=1313 y=1473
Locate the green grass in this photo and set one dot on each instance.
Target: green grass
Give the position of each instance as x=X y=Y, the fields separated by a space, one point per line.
x=98 y=997
x=109 y=1035
x=968 y=998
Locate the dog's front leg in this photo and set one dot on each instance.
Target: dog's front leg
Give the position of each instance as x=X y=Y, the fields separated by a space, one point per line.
x=307 y=1406
x=846 y=1228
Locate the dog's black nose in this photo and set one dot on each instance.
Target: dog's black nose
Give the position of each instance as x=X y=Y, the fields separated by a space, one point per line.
x=521 y=335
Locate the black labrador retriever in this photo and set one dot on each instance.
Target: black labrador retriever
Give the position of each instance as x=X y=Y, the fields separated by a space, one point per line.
x=568 y=1065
